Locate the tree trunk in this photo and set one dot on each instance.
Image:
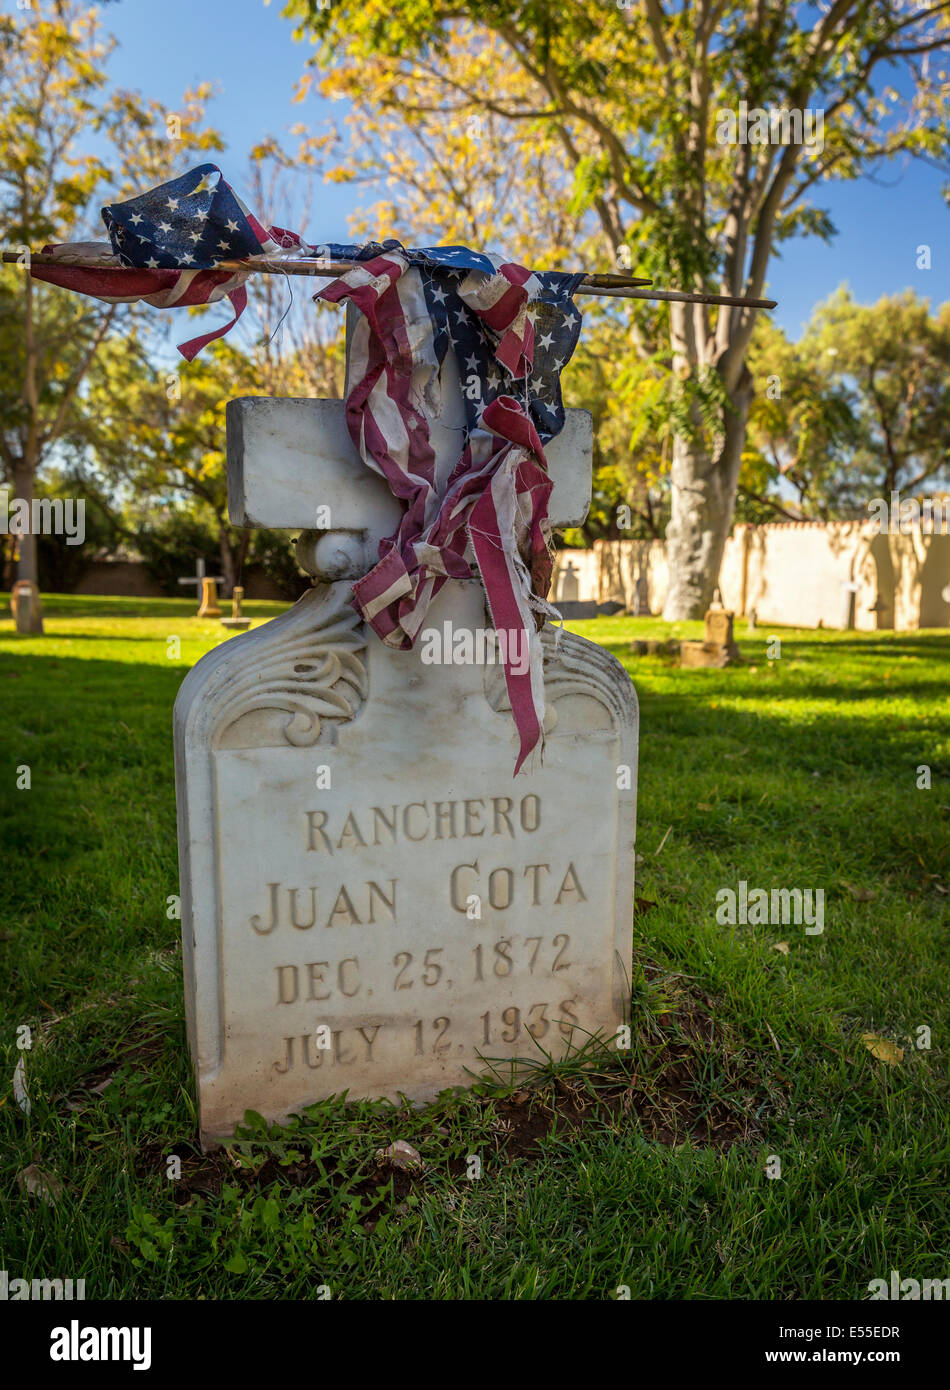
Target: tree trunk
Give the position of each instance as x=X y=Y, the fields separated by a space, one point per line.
x=29 y=614
x=228 y=566
x=26 y=545
x=7 y=565
x=29 y=618
x=703 y=500
x=24 y=473
x=232 y=556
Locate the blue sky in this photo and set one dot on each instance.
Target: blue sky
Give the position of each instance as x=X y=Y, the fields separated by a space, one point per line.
x=247 y=50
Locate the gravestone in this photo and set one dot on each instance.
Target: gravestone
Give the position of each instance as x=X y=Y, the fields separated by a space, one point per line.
x=718 y=628
x=209 y=600
x=26 y=606
x=371 y=902
x=568 y=587
x=237 y=621
x=208 y=606
x=718 y=647
x=641 y=597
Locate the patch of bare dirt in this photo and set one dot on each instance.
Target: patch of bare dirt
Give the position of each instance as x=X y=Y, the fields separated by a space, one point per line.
x=666 y=1098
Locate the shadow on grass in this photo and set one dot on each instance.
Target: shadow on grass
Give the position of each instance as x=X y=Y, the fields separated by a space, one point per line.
x=111 y=638
x=934 y=643
x=107 y=606
x=700 y=684
x=86 y=727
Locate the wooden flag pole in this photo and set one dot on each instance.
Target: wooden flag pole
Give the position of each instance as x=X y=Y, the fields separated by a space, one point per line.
x=623 y=286
x=684 y=297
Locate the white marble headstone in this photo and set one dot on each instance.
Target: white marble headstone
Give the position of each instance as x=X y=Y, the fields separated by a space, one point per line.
x=371 y=902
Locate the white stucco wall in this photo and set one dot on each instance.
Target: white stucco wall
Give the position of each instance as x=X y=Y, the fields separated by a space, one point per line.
x=794 y=574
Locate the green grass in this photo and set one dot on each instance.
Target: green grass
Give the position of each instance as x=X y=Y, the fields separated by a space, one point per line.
x=648 y=1172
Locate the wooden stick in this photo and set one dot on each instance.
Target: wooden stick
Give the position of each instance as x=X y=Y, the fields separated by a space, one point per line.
x=614 y=281
x=686 y=297
x=624 y=286
x=300 y=266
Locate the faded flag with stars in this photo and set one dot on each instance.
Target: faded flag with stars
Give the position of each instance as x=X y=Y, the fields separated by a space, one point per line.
x=512 y=331
x=554 y=319
x=165 y=246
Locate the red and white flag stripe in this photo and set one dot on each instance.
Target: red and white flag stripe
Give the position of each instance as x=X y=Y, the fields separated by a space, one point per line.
x=492 y=509
x=113 y=282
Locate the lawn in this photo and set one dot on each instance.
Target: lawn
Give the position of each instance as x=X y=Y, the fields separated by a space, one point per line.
x=751 y=1052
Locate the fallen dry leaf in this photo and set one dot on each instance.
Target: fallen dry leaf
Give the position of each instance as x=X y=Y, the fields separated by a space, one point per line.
x=780 y=946
x=19 y=1085
x=860 y=895
x=883 y=1050
x=401 y=1155
x=35 y=1183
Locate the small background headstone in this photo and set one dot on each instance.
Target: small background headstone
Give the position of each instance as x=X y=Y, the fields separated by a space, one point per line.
x=641 y=597
x=208 y=605
x=237 y=619
x=26 y=606
x=568 y=586
x=718 y=647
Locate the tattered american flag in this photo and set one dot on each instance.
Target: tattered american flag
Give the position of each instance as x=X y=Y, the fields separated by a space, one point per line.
x=164 y=246
x=511 y=330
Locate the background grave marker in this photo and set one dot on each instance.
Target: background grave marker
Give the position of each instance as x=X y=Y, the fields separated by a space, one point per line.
x=208 y=605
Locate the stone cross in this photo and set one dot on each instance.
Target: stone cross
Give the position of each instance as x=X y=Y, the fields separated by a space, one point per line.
x=371 y=902
x=292 y=466
x=568 y=588
x=208 y=607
